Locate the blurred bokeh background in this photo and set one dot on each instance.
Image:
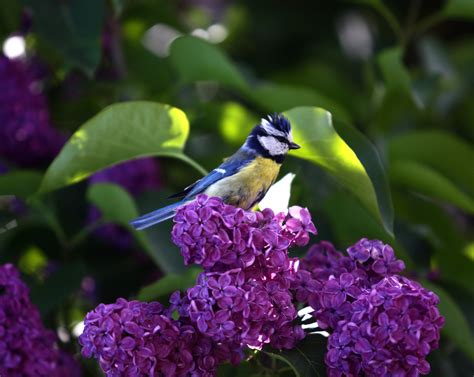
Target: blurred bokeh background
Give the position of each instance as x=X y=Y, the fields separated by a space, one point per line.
x=400 y=72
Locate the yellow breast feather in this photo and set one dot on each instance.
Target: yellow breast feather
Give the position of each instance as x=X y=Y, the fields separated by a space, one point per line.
x=247 y=187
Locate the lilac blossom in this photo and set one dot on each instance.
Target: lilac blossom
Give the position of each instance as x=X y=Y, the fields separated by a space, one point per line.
x=27 y=138
x=221 y=237
x=393 y=327
x=27 y=348
x=131 y=338
x=379 y=322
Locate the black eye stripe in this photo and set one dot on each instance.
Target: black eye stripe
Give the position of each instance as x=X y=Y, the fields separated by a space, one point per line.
x=282 y=139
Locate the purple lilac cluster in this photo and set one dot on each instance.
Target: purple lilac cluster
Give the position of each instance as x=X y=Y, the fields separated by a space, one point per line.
x=135 y=176
x=380 y=322
x=244 y=293
x=27 y=348
x=238 y=301
x=132 y=338
x=27 y=138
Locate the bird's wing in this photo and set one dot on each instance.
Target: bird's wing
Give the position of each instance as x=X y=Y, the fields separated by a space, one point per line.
x=229 y=167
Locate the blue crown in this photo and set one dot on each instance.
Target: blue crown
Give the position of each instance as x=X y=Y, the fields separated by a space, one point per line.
x=280 y=122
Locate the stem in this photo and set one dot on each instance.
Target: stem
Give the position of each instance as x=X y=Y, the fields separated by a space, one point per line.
x=385 y=12
x=84 y=232
x=411 y=18
x=51 y=220
x=428 y=22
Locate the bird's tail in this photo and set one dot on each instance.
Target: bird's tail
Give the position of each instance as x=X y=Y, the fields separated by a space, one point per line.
x=156 y=217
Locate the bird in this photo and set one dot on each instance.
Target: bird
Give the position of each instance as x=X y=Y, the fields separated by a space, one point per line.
x=242 y=179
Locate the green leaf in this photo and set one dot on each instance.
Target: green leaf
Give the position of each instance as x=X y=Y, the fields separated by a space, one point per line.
x=459 y=9
x=370 y=158
x=456 y=327
x=350 y=222
x=455 y=267
x=395 y=74
x=274 y=97
x=307 y=358
x=117 y=206
x=72 y=27
x=441 y=151
x=420 y=178
x=22 y=183
x=118 y=133
x=197 y=60
x=321 y=144
x=168 y=284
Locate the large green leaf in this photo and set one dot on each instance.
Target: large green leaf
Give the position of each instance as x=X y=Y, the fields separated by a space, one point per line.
x=118 y=133
x=321 y=144
x=117 y=206
x=456 y=327
x=459 y=9
x=350 y=222
x=198 y=60
x=22 y=183
x=168 y=284
x=420 y=178
x=72 y=27
x=370 y=158
x=440 y=150
x=307 y=358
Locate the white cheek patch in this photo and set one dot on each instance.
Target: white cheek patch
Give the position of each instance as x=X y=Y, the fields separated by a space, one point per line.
x=270 y=129
x=273 y=146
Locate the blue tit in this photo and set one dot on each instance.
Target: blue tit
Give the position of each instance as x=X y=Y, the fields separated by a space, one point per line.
x=244 y=178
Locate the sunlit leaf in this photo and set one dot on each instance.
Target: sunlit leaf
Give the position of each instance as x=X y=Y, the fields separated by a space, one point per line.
x=456 y=327
x=420 y=178
x=118 y=133
x=22 y=183
x=459 y=9
x=72 y=27
x=369 y=157
x=168 y=284
x=441 y=151
x=278 y=196
x=321 y=144
x=198 y=60
x=117 y=206
x=235 y=122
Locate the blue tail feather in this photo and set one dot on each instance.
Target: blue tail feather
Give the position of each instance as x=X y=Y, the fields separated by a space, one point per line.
x=156 y=217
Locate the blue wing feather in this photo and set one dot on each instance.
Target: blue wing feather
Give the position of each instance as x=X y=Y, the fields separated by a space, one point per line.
x=229 y=167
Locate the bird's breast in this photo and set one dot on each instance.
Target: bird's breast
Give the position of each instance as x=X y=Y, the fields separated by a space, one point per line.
x=249 y=185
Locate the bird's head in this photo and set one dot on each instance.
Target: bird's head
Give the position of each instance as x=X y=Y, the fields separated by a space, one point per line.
x=272 y=137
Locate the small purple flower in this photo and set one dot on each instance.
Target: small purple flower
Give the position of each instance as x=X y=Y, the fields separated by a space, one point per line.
x=27 y=348
x=222 y=237
x=133 y=338
x=386 y=341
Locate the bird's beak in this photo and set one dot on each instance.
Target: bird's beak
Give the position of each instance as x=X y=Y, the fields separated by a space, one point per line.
x=294 y=146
